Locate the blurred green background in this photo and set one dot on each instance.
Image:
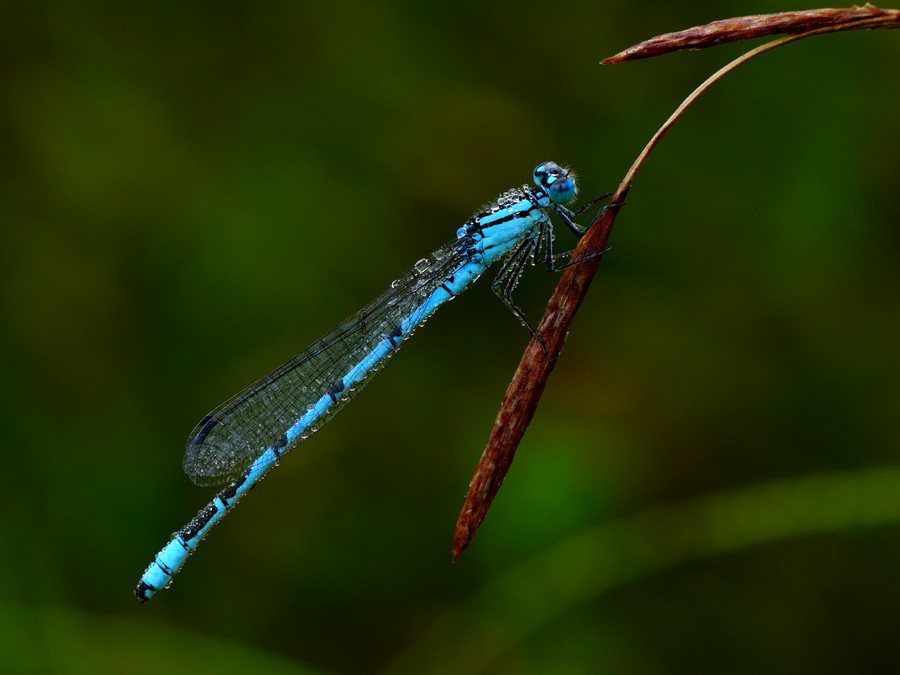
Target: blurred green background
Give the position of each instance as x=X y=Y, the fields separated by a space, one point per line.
x=193 y=193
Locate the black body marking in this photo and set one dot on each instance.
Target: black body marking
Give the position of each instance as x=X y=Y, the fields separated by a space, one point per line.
x=228 y=493
x=143 y=591
x=336 y=389
x=279 y=444
x=199 y=522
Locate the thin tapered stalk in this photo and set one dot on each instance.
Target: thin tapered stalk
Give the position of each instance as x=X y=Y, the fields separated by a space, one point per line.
x=527 y=386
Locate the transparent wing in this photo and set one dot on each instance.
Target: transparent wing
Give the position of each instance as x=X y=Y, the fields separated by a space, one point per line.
x=231 y=437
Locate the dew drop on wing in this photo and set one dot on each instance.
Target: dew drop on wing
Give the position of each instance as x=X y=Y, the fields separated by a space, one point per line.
x=421 y=265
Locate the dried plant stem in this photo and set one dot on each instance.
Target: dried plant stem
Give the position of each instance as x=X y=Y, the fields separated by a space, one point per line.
x=760 y=25
x=527 y=386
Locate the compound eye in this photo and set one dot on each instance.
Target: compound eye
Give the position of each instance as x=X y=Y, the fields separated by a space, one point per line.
x=562 y=190
x=558 y=183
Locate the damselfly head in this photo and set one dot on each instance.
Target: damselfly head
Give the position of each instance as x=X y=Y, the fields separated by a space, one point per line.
x=556 y=181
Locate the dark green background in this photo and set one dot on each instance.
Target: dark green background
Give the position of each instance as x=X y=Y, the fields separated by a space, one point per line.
x=192 y=194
